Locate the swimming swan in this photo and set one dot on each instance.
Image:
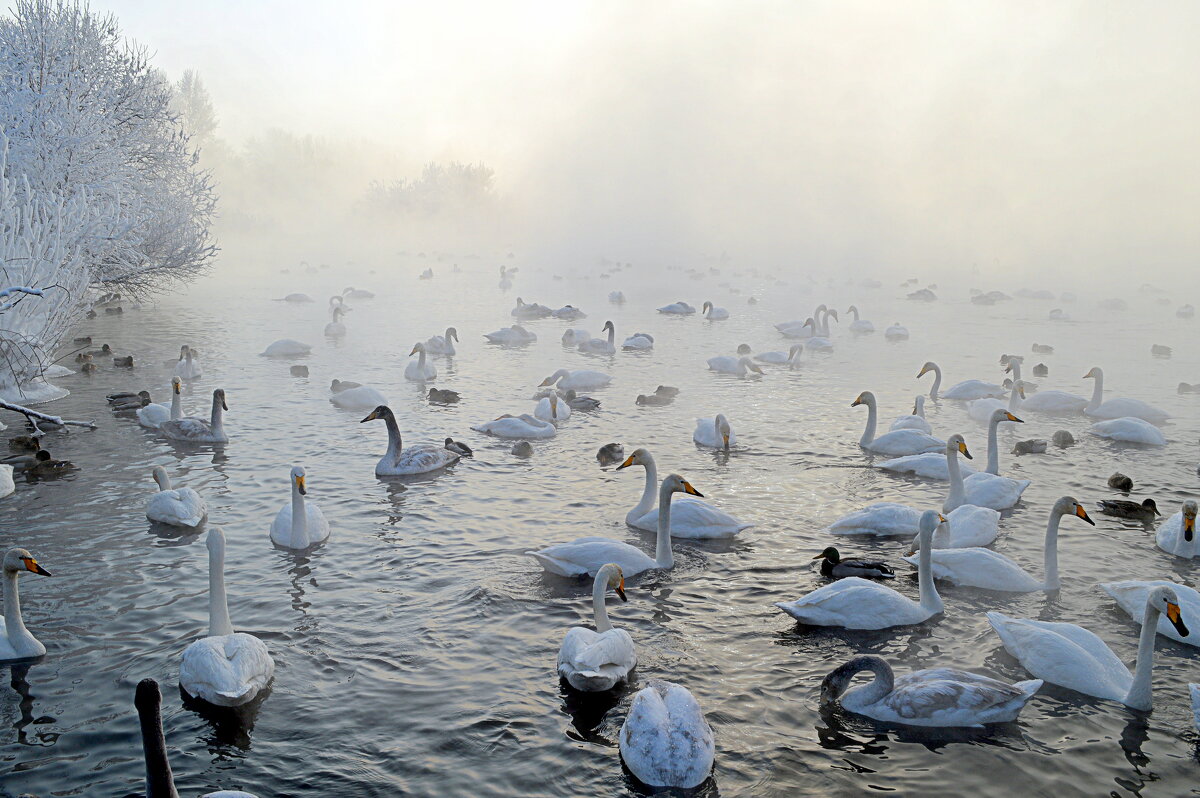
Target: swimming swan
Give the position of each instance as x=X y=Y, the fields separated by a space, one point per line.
x=178 y=507
x=197 y=430
x=690 y=517
x=398 y=461
x=597 y=661
x=859 y=326
x=1131 y=595
x=188 y=366
x=728 y=364
x=899 y=442
x=1120 y=407
x=549 y=408
x=515 y=335
x=714 y=313
x=979 y=489
x=522 y=426
x=17 y=642
x=580 y=380
x=1129 y=429
x=287 y=347
x=965 y=390
x=1177 y=535
x=915 y=420
x=421 y=370
x=443 y=344
x=601 y=346
x=665 y=740
x=299 y=523
x=714 y=433
x=153 y=416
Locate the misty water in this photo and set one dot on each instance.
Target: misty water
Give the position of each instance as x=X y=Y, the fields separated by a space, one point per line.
x=415 y=650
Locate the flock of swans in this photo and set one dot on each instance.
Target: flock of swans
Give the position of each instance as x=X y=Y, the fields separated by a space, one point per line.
x=665 y=740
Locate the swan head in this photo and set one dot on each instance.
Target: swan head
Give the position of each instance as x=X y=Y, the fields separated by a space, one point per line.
x=833 y=314
x=1165 y=600
x=298 y=479
x=810 y=322
x=639 y=457
x=608 y=325
x=417 y=348
x=1068 y=505
x=795 y=350
x=929 y=522
x=553 y=378
x=852 y=309
x=16 y=560
x=1004 y=415
x=1094 y=373
x=836 y=682
x=928 y=367
x=1189 y=520
x=955 y=444
x=553 y=405
x=383 y=411
x=176 y=385
x=723 y=429
x=677 y=484
x=830 y=553
x=744 y=349
x=452 y=333
x=610 y=575
x=865 y=398
x=215 y=540
x=219 y=396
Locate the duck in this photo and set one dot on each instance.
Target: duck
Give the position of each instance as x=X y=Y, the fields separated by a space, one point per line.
x=980 y=489
x=1177 y=535
x=677 y=309
x=103 y=351
x=596 y=661
x=899 y=442
x=691 y=516
x=1063 y=438
x=963 y=391
x=714 y=433
x=131 y=403
x=835 y=567
x=667 y=390
x=16 y=641
x=421 y=370
x=587 y=555
x=27 y=442
x=857 y=603
x=552 y=410
x=398 y=461
x=896 y=332
x=1043 y=349
x=522 y=449
x=728 y=364
x=915 y=420
x=653 y=400
x=152 y=416
x=88 y=366
x=337 y=386
x=1120 y=407
x=335 y=328
x=610 y=453
x=123 y=362
x=197 y=430
x=859 y=326
x=1146 y=511
x=443 y=344
x=226 y=668
x=299 y=523
x=933 y=697
x=1119 y=481
x=522 y=426
x=298 y=371
x=639 y=342
x=601 y=346
x=665 y=740
x=1073 y=657
x=616 y=297
x=459 y=448
x=1131 y=596
x=1129 y=429
x=580 y=380
x=978 y=567
x=443 y=395
x=1031 y=446
x=188 y=366
x=287 y=347
x=175 y=506
x=714 y=313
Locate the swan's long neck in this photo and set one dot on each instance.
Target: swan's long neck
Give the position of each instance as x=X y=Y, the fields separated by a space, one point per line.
x=883 y=683
x=612 y=334
x=599 y=612
x=1014 y=399
x=647 y=502
x=919 y=410
x=930 y=599
x=159 y=781
x=1140 y=695
x=993 y=466
x=18 y=636
x=164 y=481
x=449 y=342
x=958 y=489
x=299 y=518
x=823 y=321
x=218 y=607
x=176 y=405
x=1097 y=391
x=854 y=310
x=937 y=382
x=215 y=420
x=395 y=444
x=872 y=420
x=663 y=557
x=421 y=360
x=1050 y=552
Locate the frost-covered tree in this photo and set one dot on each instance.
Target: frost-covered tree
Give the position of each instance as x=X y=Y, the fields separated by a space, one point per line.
x=453 y=188
x=195 y=108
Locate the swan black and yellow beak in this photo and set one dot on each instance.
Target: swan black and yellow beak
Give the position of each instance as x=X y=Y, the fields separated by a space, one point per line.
x=943 y=519
x=924 y=370
x=545 y=382
x=1011 y=417
x=224 y=404
x=1082 y=513
x=32 y=566
x=413 y=352
x=300 y=485
x=1189 y=528
x=687 y=488
x=621 y=590
x=628 y=462
x=857 y=401
x=962 y=447
x=176 y=386
x=725 y=437
x=371 y=417
x=1176 y=618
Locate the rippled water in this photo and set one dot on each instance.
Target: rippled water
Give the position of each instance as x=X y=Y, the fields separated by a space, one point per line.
x=415 y=651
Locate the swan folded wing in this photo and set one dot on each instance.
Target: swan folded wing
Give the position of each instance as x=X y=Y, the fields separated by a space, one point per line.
x=227 y=669
x=882 y=518
x=931 y=465
x=417 y=460
x=992 y=491
x=906 y=441
x=1131 y=596
x=587 y=555
x=188 y=428
x=855 y=603
x=665 y=740
x=607 y=656
x=182 y=507
x=944 y=694
x=694 y=518
x=1064 y=654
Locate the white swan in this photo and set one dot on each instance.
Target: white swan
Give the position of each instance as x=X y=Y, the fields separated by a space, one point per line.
x=965 y=527
x=1177 y=535
x=575 y=336
x=859 y=326
x=601 y=346
x=982 y=410
x=152 y=416
x=639 y=342
x=728 y=364
x=177 y=507
x=515 y=335
x=930 y=465
x=421 y=370
x=1120 y=407
x=523 y=426
x=598 y=661
x=580 y=380
x=549 y=408
x=569 y=313
x=990 y=570
x=900 y=442
x=965 y=390
x=690 y=517
x=1072 y=657
x=1059 y=402
x=616 y=297
x=531 y=311
x=781 y=358
x=7 y=485
x=1129 y=429
x=806 y=329
x=857 y=603
x=714 y=313
x=287 y=347
x=335 y=328
x=160 y=782
x=677 y=309
x=587 y=555
x=897 y=332
x=398 y=461
x=935 y=697
x=915 y=420
x=17 y=642
x=226 y=668
x=1131 y=595
x=299 y=523
x=443 y=344
x=714 y=433
x=979 y=489
x=197 y=430
x=362 y=397
x=188 y=367
x=665 y=740
x=357 y=293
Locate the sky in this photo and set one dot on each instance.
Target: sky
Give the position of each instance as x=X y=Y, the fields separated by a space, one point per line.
x=995 y=134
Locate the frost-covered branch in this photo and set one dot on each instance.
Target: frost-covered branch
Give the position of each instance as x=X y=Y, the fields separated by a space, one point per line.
x=17 y=289
x=34 y=416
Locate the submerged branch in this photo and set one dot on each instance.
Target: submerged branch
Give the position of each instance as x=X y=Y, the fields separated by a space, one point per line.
x=33 y=416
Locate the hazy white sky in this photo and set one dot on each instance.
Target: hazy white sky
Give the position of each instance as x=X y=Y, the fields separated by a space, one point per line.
x=1057 y=134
